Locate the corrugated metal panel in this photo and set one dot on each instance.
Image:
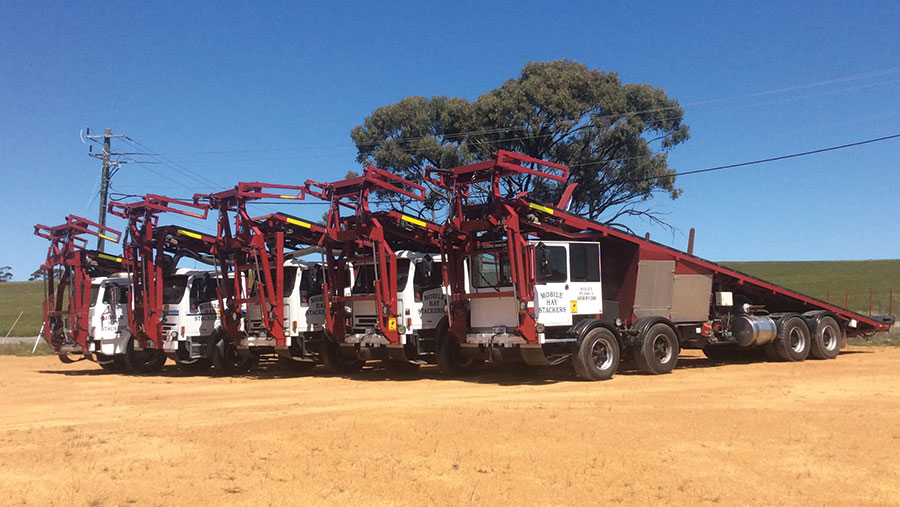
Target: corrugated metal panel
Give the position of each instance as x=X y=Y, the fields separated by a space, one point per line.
x=654 y=288
x=690 y=298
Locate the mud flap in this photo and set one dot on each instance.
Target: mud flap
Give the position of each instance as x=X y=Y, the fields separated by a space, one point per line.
x=534 y=356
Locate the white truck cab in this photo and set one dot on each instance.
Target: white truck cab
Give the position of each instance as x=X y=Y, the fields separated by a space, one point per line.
x=567 y=285
x=421 y=303
x=191 y=316
x=304 y=308
x=108 y=334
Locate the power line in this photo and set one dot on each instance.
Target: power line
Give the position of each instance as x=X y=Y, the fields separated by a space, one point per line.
x=766 y=160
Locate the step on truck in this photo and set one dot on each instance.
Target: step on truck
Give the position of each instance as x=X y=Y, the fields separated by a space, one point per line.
x=83 y=309
x=396 y=309
x=551 y=287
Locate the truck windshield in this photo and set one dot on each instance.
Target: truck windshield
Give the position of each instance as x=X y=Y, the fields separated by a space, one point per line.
x=95 y=291
x=290 y=274
x=491 y=270
x=173 y=289
x=365 y=277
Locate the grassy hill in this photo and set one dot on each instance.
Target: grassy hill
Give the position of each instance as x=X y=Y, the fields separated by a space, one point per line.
x=24 y=297
x=819 y=279
x=834 y=280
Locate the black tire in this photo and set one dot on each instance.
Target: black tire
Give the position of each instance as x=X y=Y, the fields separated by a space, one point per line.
x=296 y=365
x=198 y=365
x=658 y=352
x=452 y=361
x=227 y=361
x=336 y=361
x=143 y=361
x=597 y=357
x=826 y=339
x=114 y=364
x=792 y=341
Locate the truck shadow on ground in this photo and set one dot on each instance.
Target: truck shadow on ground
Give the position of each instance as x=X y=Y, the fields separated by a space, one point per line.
x=504 y=374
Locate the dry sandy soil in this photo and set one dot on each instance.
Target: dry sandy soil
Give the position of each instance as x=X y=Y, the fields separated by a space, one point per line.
x=813 y=433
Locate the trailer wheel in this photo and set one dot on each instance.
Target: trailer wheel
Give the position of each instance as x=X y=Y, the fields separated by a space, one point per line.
x=792 y=342
x=451 y=360
x=227 y=361
x=335 y=361
x=194 y=365
x=111 y=363
x=143 y=361
x=597 y=358
x=659 y=350
x=289 y=363
x=826 y=339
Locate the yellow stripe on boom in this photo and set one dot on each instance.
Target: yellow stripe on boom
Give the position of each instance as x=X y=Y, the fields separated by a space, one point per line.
x=190 y=234
x=109 y=257
x=104 y=236
x=301 y=223
x=290 y=197
x=538 y=207
x=416 y=221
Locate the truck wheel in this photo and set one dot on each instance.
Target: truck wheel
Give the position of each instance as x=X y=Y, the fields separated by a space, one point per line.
x=194 y=365
x=227 y=361
x=826 y=339
x=597 y=358
x=111 y=363
x=296 y=365
x=143 y=361
x=452 y=361
x=792 y=342
x=336 y=362
x=659 y=349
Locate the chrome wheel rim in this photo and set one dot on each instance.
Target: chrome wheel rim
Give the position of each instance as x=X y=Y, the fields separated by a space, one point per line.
x=601 y=354
x=662 y=348
x=796 y=340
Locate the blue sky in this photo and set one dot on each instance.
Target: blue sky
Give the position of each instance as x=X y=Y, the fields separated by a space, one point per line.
x=290 y=79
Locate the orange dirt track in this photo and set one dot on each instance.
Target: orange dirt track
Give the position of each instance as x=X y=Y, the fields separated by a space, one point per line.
x=812 y=433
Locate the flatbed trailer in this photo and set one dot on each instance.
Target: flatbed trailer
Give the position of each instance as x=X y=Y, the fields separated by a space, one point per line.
x=566 y=287
x=67 y=300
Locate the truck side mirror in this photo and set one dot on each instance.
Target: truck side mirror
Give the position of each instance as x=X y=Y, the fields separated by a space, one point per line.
x=543 y=254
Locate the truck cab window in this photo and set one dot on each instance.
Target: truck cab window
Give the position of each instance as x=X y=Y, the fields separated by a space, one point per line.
x=551 y=263
x=584 y=258
x=428 y=276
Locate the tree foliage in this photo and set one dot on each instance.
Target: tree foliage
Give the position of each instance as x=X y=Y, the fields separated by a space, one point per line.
x=5 y=273
x=614 y=137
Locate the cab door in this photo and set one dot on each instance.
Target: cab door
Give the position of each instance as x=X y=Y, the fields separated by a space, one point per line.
x=551 y=290
x=584 y=279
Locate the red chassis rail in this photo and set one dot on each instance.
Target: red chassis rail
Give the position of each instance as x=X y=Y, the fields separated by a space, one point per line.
x=144 y=252
x=370 y=235
x=257 y=246
x=514 y=219
x=66 y=322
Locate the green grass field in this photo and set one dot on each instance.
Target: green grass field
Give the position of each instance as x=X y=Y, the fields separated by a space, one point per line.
x=833 y=280
x=820 y=279
x=24 y=297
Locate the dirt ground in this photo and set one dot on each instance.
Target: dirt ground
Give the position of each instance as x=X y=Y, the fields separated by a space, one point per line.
x=813 y=433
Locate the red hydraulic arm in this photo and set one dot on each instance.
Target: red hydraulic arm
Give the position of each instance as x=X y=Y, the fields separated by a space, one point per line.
x=144 y=252
x=66 y=320
x=253 y=247
x=370 y=236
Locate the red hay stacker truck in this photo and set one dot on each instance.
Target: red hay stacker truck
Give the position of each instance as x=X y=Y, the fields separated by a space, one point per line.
x=151 y=255
x=67 y=301
x=397 y=302
x=251 y=256
x=556 y=287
